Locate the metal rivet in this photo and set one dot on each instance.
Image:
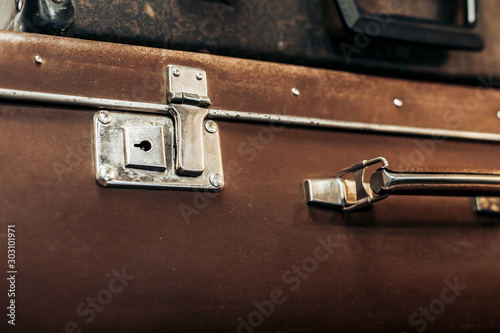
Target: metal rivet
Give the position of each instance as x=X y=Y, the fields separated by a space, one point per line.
x=105 y=117
x=177 y=72
x=107 y=174
x=199 y=76
x=211 y=126
x=20 y=5
x=38 y=60
x=498 y=114
x=295 y=92
x=398 y=103
x=216 y=180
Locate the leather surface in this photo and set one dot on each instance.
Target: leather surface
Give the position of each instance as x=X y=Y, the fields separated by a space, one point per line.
x=204 y=271
x=304 y=32
x=106 y=70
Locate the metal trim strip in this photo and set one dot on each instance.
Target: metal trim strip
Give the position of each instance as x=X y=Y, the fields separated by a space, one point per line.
x=99 y=103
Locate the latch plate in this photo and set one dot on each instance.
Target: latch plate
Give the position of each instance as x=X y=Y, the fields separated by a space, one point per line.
x=115 y=134
x=187 y=85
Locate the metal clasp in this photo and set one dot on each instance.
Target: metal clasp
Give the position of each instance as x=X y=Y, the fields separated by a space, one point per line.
x=147 y=150
x=187 y=97
x=345 y=193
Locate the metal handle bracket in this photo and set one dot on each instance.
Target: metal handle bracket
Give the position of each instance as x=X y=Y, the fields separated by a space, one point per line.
x=350 y=195
x=344 y=193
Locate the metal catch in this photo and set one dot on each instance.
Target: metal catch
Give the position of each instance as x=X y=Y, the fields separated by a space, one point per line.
x=173 y=149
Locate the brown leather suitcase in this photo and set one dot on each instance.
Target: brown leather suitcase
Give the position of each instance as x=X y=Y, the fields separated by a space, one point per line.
x=223 y=239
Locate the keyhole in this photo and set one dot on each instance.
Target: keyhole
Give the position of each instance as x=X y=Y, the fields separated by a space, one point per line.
x=144 y=145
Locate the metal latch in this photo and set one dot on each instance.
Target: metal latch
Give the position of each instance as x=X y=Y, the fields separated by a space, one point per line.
x=178 y=149
x=187 y=93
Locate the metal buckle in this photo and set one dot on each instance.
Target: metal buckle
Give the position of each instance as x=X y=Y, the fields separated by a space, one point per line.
x=343 y=193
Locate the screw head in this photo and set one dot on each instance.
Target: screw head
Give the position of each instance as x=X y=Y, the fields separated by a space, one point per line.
x=211 y=126
x=177 y=72
x=398 y=103
x=20 y=5
x=105 y=117
x=199 y=76
x=295 y=92
x=216 y=180
x=107 y=174
x=38 y=60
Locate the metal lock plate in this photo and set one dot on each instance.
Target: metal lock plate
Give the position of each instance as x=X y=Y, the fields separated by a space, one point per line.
x=138 y=150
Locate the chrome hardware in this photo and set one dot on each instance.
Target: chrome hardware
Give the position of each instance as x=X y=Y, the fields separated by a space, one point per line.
x=106 y=174
x=156 y=150
x=187 y=91
x=138 y=150
x=104 y=117
x=173 y=149
x=186 y=85
x=189 y=129
x=145 y=148
x=20 y=5
x=275 y=119
x=216 y=180
x=398 y=103
x=211 y=126
x=354 y=194
x=345 y=193
x=487 y=205
x=433 y=183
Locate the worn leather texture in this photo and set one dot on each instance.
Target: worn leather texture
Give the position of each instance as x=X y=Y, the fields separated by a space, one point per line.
x=221 y=263
x=304 y=32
